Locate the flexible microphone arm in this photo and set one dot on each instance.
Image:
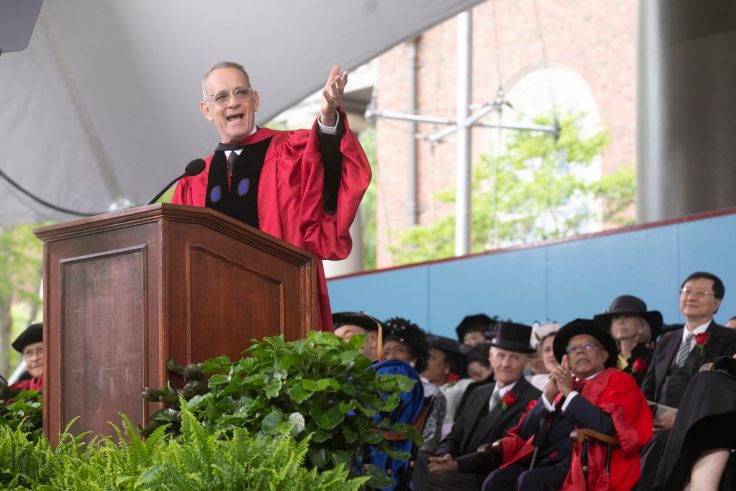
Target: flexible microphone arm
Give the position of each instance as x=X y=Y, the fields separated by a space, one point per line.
x=192 y=169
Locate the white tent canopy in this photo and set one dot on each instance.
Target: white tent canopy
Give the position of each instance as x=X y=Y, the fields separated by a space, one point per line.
x=102 y=105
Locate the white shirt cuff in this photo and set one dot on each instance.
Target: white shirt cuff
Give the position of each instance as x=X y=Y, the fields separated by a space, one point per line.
x=548 y=405
x=569 y=398
x=329 y=130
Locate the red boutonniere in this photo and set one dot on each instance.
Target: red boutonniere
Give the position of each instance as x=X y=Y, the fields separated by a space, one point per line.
x=639 y=366
x=507 y=400
x=701 y=340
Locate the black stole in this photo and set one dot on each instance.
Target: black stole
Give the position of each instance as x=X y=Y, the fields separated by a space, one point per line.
x=239 y=199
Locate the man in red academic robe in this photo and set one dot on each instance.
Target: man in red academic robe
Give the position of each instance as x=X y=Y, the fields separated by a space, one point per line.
x=583 y=392
x=302 y=186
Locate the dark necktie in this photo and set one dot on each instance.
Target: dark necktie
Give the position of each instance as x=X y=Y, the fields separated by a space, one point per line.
x=231 y=159
x=230 y=147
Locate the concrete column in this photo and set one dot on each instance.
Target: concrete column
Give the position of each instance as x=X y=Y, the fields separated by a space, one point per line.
x=463 y=97
x=686 y=132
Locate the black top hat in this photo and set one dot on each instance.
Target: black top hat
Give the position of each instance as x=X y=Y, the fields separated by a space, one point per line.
x=360 y=319
x=590 y=327
x=477 y=322
x=32 y=334
x=513 y=337
x=629 y=304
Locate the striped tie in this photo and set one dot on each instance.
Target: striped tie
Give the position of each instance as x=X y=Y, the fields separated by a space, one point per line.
x=684 y=350
x=495 y=399
x=231 y=159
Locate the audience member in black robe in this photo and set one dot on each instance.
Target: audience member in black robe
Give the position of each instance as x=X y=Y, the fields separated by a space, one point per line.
x=698 y=447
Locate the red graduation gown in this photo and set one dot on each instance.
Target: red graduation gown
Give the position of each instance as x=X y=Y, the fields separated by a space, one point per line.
x=28 y=384
x=290 y=205
x=617 y=394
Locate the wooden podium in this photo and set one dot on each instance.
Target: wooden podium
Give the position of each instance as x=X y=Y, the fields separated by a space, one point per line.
x=125 y=291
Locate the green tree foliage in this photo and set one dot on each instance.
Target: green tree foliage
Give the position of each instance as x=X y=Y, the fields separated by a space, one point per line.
x=535 y=189
x=368 y=205
x=20 y=273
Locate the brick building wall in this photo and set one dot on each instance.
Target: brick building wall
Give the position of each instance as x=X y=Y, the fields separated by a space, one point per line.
x=596 y=40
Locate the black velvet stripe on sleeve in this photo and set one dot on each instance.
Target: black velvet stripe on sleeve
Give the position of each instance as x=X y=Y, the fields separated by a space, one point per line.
x=332 y=161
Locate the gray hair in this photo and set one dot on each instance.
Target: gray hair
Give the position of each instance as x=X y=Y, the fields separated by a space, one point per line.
x=218 y=66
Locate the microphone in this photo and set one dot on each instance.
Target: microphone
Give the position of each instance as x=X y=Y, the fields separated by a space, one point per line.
x=192 y=169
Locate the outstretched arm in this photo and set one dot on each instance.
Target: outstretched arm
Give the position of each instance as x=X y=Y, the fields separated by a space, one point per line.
x=332 y=95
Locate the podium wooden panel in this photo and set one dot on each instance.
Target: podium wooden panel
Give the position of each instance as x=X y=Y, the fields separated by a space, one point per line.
x=125 y=291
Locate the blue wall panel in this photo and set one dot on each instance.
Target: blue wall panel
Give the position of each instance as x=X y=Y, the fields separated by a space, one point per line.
x=585 y=275
x=398 y=292
x=507 y=284
x=556 y=281
x=711 y=246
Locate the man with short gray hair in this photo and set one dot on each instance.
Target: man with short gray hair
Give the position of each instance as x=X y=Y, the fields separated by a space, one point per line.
x=301 y=186
x=490 y=411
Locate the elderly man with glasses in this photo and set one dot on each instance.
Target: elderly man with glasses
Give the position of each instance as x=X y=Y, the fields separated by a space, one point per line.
x=584 y=391
x=30 y=345
x=678 y=357
x=301 y=186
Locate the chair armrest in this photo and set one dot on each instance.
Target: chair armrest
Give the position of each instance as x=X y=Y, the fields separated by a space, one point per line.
x=581 y=434
x=418 y=423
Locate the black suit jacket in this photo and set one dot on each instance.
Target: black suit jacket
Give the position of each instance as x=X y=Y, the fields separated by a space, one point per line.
x=472 y=428
x=559 y=426
x=722 y=341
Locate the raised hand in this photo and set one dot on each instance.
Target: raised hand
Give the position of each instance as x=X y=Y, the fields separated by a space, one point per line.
x=332 y=95
x=563 y=376
x=551 y=390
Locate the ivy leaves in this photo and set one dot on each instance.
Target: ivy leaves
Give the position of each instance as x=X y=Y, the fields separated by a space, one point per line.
x=21 y=410
x=319 y=386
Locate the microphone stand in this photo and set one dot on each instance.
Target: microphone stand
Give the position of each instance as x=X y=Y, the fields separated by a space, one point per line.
x=160 y=193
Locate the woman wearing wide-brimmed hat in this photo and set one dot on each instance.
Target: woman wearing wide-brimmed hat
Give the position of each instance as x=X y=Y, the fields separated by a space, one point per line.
x=634 y=328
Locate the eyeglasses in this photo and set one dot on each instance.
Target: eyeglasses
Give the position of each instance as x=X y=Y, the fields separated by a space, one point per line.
x=222 y=98
x=686 y=292
x=570 y=348
x=31 y=353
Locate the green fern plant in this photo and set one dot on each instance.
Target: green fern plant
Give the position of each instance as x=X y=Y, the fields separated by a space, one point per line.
x=199 y=459
x=195 y=460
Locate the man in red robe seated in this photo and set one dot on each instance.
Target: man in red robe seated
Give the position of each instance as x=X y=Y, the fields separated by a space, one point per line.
x=30 y=345
x=585 y=391
x=301 y=186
